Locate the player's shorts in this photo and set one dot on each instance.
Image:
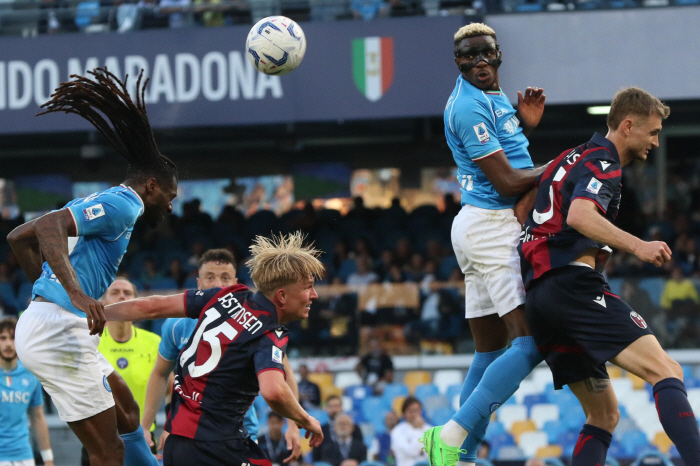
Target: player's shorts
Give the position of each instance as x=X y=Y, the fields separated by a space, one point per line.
x=56 y=346
x=29 y=462
x=485 y=243
x=183 y=451
x=579 y=324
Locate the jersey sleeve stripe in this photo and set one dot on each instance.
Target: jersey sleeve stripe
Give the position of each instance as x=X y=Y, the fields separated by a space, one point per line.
x=77 y=233
x=163 y=357
x=613 y=174
x=593 y=201
x=487 y=155
x=274 y=369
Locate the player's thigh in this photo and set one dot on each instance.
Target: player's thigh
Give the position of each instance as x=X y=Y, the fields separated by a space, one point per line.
x=99 y=436
x=646 y=358
x=56 y=346
x=598 y=401
x=127 y=410
x=489 y=333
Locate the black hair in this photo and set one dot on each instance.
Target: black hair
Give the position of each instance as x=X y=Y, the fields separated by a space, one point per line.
x=408 y=402
x=8 y=324
x=277 y=416
x=130 y=132
x=217 y=255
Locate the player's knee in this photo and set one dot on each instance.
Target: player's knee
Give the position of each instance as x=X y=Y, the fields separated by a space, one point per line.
x=664 y=368
x=672 y=369
x=112 y=455
x=605 y=418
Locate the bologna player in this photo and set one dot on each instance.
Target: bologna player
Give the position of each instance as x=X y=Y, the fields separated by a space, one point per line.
x=488 y=141
x=83 y=245
x=577 y=322
x=237 y=349
x=20 y=394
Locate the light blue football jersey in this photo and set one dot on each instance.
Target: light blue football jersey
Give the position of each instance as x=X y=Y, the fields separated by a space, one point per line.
x=104 y=222
x=174 y=335
x=19 y=391
x=478 y=124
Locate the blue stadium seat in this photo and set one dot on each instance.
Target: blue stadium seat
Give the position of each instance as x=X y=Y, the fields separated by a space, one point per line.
x=652 y=457
x=394 y=390
x=528 y=7
x=441 y=416
x=371 y=463
x=7 y=294
x=502 y=440
x=553 y=429
x=552 y=461
x=495 y=428
x=374 y=407
x=358 y=392
x=653 y=286
x=634 y=441
x=426 y=390
x=511 y=453
x=574 y=419
x=433 y=403
x=85 y=12
x=453 y=390
x=164 y=283
x=610 y=461
x=531 y=400
x=673 y=452
x=482 y=462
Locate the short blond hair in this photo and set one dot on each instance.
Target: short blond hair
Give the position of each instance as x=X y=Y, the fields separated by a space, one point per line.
x=282 y=260
x=635 y=101
x=474 y=30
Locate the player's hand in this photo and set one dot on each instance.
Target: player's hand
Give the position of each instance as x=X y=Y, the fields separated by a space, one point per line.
x=147 y=436
x=313 y=429
x=93 y=309
x=163 y=438
x=531 y=106
x=524 y=206
x=48 y=463
x=293 y=438
x=654 y=252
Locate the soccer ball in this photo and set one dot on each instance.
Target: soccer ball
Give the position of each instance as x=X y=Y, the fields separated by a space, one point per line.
x=276 y=45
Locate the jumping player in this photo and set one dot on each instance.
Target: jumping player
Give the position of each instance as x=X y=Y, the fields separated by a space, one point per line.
x=83 y=244
x=577 y=322
x=489 y=145
x=237 y=349
x=20 y=395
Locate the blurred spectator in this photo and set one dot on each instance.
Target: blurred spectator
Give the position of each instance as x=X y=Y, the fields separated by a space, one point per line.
x=150 y=273
x=376 y=368
x=415 y=270
x=273 y=443
x=484 y=450
x=363 y=276
x=380 y=449
x=334 y=407
x=341 y=445
x=383 y=264
x=179 y=15
x=7 y=310
x=359 y=211
x=404 y=438
x=369 y=9
x=685 y=254
x=177 y=273
x=678 y=291
x=395 y=275
x=639 y=300
x=309 y=393
x=452 y=207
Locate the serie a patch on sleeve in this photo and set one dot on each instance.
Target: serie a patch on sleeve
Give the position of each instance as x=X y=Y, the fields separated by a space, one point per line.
x=276 y=355
x=96 y=211
x=482 y=133
x=594 y=185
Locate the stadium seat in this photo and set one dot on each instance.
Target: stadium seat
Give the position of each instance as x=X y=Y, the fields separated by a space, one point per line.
x=510 y=453
x=442 y=416
x=397 y=404
x=374 y=407
x=610 y=461
x=694 y=399
x=652 y=457
x=553 y=429
x=414 y=378
x=541 y=413
x=662 y=442
x=634 y=441
x=452 y=390
x=527 y=387
x=347 y=403
x=7 y=293
x=530 y=400
x=320 y=415
x=550 y=454
x=392 y=390
x=358 y=392
x=521 y=427
x=529 y=7
x=495 y=428
x=444 y=379
x=425 y=390
x=637 y=382
x=482 y=462
x=541 y=376
x=347 y=378
x=371 y=463
x=673 y=452
x=502 y=440
x=613 y=371
x=509 y=414
x=435 y=402
x=84 y=13
x=622 y=386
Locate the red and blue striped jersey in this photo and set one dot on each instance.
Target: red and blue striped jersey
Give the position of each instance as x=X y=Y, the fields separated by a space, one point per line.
x=590 y=171
x=238 y=336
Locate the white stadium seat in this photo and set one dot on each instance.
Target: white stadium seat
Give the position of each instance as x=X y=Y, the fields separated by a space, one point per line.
x=445 y=378
x=530 y=442
x=508 y=414
x=347 y=378
x=527 y=387
x=541 y=413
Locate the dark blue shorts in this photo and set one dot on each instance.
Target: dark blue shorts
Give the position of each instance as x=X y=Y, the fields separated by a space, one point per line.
x=183 y=451
x=579 y=324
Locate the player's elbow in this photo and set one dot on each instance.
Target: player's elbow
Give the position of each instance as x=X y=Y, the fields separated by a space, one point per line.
x=576 y=218
x=272 y=393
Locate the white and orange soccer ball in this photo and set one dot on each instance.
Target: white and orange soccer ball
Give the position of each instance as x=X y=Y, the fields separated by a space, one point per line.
x=276 y=45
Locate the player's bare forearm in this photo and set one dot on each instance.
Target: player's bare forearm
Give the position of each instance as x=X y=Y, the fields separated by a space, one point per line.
x=40 y=427
x=585 y=217
x=155 y=391
x=25 y=245
x=508 y=181
x=279 y=397
x=52 y=231
x=152 y=307
x=291 y=378
x=524 y=205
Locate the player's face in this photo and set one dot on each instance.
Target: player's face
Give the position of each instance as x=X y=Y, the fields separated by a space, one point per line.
x=7 y=346
x=158 y=201
x=216 y=275
x=119 y=290
x=478 y=58
x=644 y=136
x=299 y=297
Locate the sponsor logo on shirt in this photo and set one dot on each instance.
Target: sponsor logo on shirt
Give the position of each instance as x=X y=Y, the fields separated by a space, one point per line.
x=511 y=125
x=15 y=397
x=122 y=363
x=276 y=355
x=594 y=186
x=482 y=133
x=96 y=211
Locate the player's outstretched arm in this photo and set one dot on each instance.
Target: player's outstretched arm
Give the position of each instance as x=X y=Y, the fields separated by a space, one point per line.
x=585 y=217
x=41 y=430
x=155 y=393
x=280 y=398
x=508 y=181
x=292 y=436
x=530 y=108
x=25 y=245
x=152 y=307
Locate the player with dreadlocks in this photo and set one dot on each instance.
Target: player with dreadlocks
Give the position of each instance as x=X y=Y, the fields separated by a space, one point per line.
x=72 y=255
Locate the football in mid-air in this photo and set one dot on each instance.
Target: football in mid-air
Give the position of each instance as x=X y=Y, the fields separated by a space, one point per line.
x=276 y=45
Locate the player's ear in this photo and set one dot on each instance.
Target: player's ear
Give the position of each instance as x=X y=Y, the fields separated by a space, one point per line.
x=151 y=185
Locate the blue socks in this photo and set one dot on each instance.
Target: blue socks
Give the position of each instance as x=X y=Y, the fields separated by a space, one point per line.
x=136 y=451
x=500 y=380
x=678 y=419
x=591 y=447
x=476 y=371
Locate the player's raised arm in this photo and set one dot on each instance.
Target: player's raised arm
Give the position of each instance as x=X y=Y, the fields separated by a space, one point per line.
x=530 y=108
x=152 y=307
x=279 y=397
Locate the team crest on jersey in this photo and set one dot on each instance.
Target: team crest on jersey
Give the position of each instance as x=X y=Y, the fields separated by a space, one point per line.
x=276 y=355
x=482 y=133
x=25 y=382
x=96 y=211
x=639 y=320
x=122 y=363
x=594 y=186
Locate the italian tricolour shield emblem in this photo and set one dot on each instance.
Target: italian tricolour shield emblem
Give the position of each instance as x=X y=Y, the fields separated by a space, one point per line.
x=373 y=65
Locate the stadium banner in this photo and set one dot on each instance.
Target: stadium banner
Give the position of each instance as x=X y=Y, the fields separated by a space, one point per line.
x=386 y=68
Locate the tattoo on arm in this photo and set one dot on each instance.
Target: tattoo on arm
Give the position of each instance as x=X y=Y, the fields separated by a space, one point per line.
x=595 y=385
